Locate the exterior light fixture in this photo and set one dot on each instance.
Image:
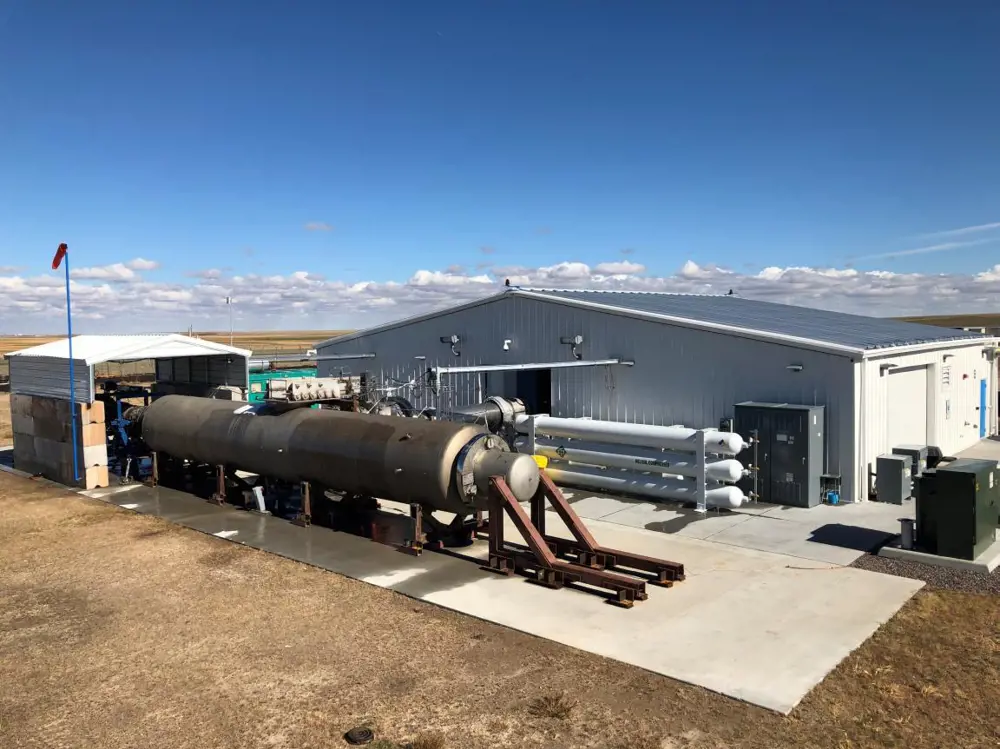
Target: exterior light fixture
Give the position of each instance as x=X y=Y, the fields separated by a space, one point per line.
x=506 y=344
x=794 y=367
x=454 y=340
x=574 y=341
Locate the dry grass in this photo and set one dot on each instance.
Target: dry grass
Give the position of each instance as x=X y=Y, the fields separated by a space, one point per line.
x=119 y=630
x=6 y=429
x=986 y=320
x=551 y=706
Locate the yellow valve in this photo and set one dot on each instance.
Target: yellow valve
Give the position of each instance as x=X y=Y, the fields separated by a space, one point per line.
x=542 y=461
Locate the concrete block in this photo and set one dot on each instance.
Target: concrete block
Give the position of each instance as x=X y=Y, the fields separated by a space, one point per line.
x=20 y=405
x=91 y=435
x=22 y=423
x=59 y=455
x=95 y=477
x=55 y=410
x=24 y=447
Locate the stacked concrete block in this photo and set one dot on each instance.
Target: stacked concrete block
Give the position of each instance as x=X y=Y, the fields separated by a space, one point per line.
x=43 y=442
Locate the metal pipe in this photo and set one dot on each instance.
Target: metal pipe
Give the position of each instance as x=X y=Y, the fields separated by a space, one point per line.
x=264 y=364
x=644 y=435
x=645 y=459
x=437 y=464
x=531 y=366
x=645 y=485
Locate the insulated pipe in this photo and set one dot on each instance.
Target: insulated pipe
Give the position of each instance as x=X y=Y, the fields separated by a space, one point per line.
x=437 y=464
x=646 y=435
x=635 y=458
x=494 y=412
x=629 y=482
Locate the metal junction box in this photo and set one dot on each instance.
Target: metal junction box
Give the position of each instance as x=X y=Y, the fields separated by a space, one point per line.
x=892 y=478
x=918 y=457
x=957 y=508
x=789 y=451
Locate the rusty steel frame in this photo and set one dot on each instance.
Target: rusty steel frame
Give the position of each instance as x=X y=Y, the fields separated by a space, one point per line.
x=540 y=556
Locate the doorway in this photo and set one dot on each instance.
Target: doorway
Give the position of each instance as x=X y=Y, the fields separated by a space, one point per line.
x=534 y=387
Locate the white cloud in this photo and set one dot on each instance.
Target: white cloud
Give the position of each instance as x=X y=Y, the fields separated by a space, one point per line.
x=9 y=270
x=114 y=298
x=619 y=267
x=118 y=272
x=318 y=226
x=140 y=263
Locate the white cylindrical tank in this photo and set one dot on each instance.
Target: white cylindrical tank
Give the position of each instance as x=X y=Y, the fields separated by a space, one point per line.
x=634 y=458
x=629 y=482
x=645 y=435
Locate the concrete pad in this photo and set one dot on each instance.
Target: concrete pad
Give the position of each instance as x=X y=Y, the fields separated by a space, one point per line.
x=665 y=518
x=879 y=516
x=986 y=562
x=597 y=506
x=754 y=625
x=834 y=544
x=987 y=449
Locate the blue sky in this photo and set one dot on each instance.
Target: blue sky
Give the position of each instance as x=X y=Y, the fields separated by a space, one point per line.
x=207 y=135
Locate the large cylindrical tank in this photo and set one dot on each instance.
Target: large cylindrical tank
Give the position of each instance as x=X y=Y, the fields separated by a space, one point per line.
x=441 y=465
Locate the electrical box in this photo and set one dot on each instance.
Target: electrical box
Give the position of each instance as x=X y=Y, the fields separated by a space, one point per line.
x=893 y=482
x=918 y=457
x=958 y=508
x=789 y=451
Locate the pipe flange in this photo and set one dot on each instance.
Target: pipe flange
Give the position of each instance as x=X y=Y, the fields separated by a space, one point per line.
x=465 y=464
x=506 y=408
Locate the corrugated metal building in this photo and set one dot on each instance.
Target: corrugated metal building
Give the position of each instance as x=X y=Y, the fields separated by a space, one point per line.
x=180 y=360
x=660 y=358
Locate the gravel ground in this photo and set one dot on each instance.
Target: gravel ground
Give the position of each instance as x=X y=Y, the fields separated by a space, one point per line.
x=936 y=577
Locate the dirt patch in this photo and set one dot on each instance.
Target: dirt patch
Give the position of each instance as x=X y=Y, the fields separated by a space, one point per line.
x=119 y=633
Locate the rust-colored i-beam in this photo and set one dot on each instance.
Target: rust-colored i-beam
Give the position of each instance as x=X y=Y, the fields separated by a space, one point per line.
x=586 y=549
x=539 y=557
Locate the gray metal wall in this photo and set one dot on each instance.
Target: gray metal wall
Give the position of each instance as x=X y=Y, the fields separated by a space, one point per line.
x=204 y=370
x=49 y=377
x=681 y=376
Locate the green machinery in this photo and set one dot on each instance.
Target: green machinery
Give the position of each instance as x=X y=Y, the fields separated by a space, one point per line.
x=958 y=508
x=259 y=380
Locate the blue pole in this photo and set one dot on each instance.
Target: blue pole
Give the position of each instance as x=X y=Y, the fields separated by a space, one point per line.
x=72 y=380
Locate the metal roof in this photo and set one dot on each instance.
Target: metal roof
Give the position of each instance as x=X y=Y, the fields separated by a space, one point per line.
x=95 y=349
x=766 y=319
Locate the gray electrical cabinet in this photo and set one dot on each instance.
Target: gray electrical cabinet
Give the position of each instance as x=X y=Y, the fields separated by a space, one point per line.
x=957 y=508
x=918 y=457
x=789 y=451
x=893 y=478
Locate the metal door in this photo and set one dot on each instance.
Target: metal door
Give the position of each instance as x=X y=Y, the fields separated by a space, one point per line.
x=789 y=458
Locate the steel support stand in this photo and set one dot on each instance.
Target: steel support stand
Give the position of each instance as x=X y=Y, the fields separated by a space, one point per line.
x=547 y=569
x=414 y=545
x=304 y=517
x=219 y=497
x=154 y=479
